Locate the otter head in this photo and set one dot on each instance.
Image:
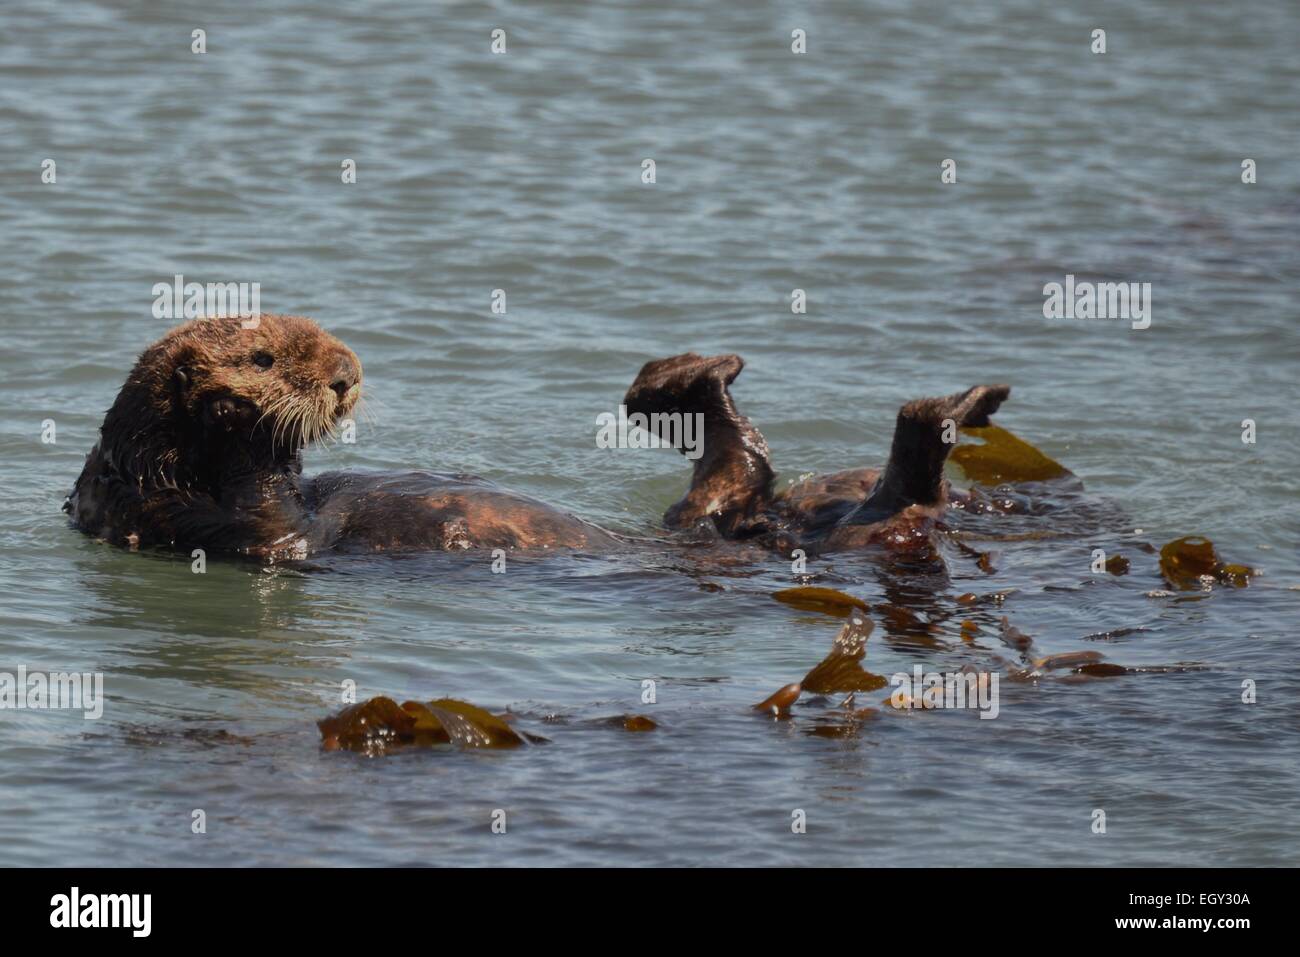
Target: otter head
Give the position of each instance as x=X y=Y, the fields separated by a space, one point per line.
x=213 y=395
x=278 y=386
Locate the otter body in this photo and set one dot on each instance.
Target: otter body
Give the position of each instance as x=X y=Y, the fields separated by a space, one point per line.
x=203 y=449
x=358 y=511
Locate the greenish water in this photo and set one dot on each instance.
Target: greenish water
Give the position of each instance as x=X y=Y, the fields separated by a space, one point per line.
x=774 y=171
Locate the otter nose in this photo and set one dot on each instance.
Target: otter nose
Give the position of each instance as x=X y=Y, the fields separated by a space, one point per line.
x=346 y=375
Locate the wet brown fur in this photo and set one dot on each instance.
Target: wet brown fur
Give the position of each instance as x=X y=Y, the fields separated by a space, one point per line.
x=203 y=448
x=731 y=488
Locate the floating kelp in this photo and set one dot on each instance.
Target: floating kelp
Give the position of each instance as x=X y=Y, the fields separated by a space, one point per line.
x=779 y=702
x=1117 y=565
x=369 y=726
x=828 y=601
x=379 y=724
x=1004 y=458
x=633 y=722
x=1067 y=659
x=1191 y=563
x=1101 y=669
x=841 y=670
x=467 y=725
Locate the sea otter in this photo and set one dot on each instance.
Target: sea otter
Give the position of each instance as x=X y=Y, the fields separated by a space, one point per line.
x=203 y=448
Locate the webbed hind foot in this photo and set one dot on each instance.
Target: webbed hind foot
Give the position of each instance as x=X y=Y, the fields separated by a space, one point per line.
x=925 y=432
x=732 y=481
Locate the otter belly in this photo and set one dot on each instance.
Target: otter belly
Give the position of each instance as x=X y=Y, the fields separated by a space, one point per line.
x=822 y=514
x=822 y=500
x=430 y=510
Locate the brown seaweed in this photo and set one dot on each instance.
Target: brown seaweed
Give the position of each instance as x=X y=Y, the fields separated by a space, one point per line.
x=829 y=601
x=370 y=726
x=1117 y=565
x=379 y=724
x=779 y=702
x=1191 y=563
x=841 y=670
x=1004 y=458
x=1102 y=669
x=469 y=725
x=1067 y=659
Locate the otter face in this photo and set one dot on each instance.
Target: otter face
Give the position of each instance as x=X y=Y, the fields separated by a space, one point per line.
x=286 y=382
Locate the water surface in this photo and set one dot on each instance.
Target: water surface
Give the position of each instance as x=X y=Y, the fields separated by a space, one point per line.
x=774 y=172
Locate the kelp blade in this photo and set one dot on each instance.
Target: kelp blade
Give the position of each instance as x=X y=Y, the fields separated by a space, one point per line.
x=378 y=725
x=1191 y=562
x=1004 y=458
x=829 y=601
x=779 y=702
x=370 y=726
x=841 y=670
x=472 y=727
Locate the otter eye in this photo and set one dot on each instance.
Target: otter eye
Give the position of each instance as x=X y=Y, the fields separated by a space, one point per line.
x=263 y=359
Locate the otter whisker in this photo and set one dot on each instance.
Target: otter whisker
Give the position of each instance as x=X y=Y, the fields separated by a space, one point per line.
x=284 y=423
x=270 y=408
x=284 y=426
x=297 y=422
x=274 y=409
x=372 y=408
x=301 y=421
x=306 y=423
x=363 y=411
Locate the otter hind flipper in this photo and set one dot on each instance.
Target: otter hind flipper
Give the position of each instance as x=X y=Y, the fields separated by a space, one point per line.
x=732 y=481
x=924 y=434
x=972 y=408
